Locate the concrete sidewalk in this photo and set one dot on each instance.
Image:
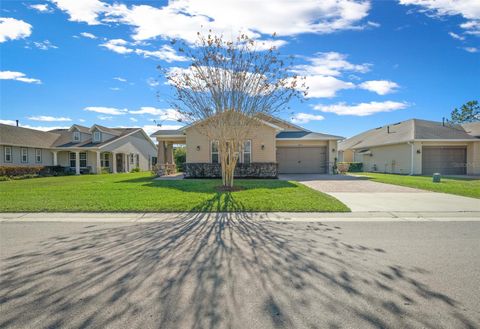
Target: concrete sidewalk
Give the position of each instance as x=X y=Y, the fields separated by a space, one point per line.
x=379 y=216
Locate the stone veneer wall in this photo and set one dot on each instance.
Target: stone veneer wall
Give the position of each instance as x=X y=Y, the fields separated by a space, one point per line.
x=252 y=170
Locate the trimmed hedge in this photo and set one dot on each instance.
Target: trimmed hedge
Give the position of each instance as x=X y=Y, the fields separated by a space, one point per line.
x=353 y=166
x=32 y=171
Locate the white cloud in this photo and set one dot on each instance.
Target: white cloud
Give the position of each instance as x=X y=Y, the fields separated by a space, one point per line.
x=44 y=45
x=321 y=86
x=117 y=45
x=133 y=119
x=106 y=110
x=82 y=120
x=114 y=88
x=152 y=82
x=47 y=118
x=468 y=9
x=120 y=79
x=82 y=11
x=88 y=35
x=183 y=18
x=162 y=114
x=43 y=8
x=104 y=117
x=19 y=76
x=305 y=118
x=12 y=29
x=330 y=63
x=456 y=36
x=166 y=53
x=266 y=44
x=381 y=87
x=362 y=109
x=8 y=122
x=471 y=49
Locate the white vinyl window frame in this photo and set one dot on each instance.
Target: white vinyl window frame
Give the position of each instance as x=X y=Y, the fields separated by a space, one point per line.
x=23 y=155
x=214 y=152
x=105 y=160
x=83 y=159
x=7 y=154
x=38 y=155
x=247 y=152
x=76 y=136
x=97 y=136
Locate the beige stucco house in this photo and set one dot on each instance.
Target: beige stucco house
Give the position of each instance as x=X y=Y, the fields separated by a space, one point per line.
x=275 y=146
x=416 y=147
x=82 y=149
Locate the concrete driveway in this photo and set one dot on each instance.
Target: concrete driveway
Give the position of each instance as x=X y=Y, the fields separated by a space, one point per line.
x=361 y=194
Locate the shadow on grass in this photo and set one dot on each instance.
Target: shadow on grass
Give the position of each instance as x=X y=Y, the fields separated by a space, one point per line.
x=216 y=271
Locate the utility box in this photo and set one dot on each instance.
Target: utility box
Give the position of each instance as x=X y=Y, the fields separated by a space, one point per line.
x=437 y=177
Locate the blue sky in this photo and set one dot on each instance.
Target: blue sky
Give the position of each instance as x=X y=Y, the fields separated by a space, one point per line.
x=368 y=63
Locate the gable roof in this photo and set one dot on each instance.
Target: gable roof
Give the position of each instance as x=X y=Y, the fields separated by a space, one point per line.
x=406 y=131
x=472 y=128
x=80 y=128
x=111 y=131
x=305 y=135
x=65 y=139
x=20 y=136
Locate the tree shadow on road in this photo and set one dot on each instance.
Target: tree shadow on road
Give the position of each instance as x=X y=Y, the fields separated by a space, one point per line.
x=216 y=271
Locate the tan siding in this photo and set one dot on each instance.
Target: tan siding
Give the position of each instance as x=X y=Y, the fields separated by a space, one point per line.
x=389 y=159
x=47 y=157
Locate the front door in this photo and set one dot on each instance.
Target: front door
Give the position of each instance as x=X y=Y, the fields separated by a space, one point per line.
x=119 y=161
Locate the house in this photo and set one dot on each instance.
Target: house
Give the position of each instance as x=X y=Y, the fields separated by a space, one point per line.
x=80 y=148
x=275 y=146
x=416 y=147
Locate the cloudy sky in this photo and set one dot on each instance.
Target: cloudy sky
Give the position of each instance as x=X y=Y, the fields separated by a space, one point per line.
x=367 y=63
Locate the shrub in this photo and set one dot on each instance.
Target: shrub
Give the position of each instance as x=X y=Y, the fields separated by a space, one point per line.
x=180 y=155
x=12 y=171
x=136 y=169
x=350 y=166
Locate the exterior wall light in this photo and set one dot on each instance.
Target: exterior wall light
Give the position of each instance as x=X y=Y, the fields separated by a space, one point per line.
x=333 y=150
x=263 y=147
x=418 y=151
x=198 y=147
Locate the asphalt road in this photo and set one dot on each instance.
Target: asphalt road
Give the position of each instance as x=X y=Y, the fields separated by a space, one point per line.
x=220 y=273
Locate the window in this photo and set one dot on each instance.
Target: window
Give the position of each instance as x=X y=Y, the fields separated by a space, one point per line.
x=105 y=160
x=214 y=152
x=7 y=153
x=83 y=159
x=247 y=152
x=97 y=137
x=72 y=160
x=76 y=136
x=154 y=161
x=38 y=155
x=24 y=154
x=137 y=160
x=131 y=158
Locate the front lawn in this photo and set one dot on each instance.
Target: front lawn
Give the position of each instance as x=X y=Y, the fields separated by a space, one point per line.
x=139 y=192
x=459 y=186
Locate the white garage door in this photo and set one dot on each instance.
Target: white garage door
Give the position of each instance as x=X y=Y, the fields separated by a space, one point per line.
x=302 y=160
x=444 y=160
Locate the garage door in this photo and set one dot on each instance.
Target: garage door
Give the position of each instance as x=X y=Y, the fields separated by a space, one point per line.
x=302 y=160
x=444 y=160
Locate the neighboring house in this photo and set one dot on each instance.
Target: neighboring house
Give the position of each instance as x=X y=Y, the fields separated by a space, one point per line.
x=275 y=146
x=416 y=147
x=80 y=148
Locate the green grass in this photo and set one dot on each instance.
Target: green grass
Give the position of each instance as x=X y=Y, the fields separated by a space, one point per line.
x=139 y=192
x=458 y=186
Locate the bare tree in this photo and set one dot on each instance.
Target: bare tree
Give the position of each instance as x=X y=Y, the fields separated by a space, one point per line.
x=227 y=86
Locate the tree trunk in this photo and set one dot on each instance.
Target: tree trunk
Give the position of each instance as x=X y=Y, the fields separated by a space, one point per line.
x=228 y=163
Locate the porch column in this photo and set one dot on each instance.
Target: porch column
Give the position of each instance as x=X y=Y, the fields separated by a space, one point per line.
x=161 y=152
x=77 y=163
x=169 y=153
x=114 y=162
x=55 y=159
x=98 y=167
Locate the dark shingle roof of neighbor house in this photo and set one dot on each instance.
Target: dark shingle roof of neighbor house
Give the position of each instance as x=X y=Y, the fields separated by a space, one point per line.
x=305 y=135
x=406 y=131
x=20 y=136
x=57 y=138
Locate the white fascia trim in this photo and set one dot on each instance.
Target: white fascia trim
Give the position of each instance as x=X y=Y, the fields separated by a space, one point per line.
x=169 y=136
x=447 y=140
x=129 y=134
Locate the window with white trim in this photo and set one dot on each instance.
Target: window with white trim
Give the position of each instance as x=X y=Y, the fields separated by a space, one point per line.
x=76 y=136
x=105 y=160
x=72 y=159
x=97 y=136
x=131 y=158
x=247 y=152
x=24 y=154
x=214 y=154
x=38 y=155
x=82 y=157
x=137 y=160
x=7 y=154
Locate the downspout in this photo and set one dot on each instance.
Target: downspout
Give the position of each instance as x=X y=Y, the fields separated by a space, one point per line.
x=412 y=156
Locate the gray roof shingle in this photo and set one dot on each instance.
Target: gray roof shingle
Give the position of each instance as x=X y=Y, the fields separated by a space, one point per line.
x=305 y=135
x=19 y=136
